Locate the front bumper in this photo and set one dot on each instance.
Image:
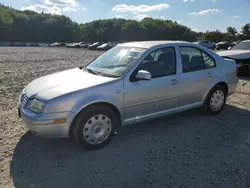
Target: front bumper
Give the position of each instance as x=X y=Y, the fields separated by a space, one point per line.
x=43 y=124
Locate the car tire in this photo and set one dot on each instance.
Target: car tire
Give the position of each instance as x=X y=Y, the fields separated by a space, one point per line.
x=97 y=122
x=215 y=100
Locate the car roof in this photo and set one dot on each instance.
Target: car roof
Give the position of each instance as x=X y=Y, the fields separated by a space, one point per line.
x=245 y=41
x=149 y=44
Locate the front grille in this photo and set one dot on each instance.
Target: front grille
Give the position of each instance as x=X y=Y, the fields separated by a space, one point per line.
x=24 y=100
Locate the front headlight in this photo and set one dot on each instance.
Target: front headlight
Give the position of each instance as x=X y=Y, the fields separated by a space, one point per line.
x=36 y=106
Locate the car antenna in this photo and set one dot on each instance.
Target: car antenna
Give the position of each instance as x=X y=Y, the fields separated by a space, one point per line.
x=184 y=33
x=84 y=62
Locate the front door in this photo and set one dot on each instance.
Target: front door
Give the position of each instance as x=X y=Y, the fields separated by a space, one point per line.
x=146 y=98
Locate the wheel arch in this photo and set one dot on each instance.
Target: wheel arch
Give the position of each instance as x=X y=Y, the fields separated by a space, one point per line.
x=104 y=103
x=223 y=83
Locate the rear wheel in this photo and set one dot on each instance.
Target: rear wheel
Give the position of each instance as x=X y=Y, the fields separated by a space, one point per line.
x=95 y=127
x=215 y=100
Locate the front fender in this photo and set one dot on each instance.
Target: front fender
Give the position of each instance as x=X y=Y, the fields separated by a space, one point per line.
x=115 y=101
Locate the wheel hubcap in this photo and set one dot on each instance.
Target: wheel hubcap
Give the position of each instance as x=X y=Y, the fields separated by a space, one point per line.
x=97 y=129
x=217 y=100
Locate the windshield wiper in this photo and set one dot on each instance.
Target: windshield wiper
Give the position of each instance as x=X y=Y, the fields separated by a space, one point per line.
x=100 y=74
x=93 y=72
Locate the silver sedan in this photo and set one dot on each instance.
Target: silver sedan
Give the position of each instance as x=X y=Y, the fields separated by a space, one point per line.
x=130 y=83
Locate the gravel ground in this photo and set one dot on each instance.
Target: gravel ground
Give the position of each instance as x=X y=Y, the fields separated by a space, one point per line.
x=188 y=149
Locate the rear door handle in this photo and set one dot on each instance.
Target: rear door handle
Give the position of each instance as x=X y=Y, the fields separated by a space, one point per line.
x=210 y=74
x=174 y=82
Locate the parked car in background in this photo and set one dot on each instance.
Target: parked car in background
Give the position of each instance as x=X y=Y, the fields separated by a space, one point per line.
x=130 y=83
x=94 y=45
x=103 y=47
x=43 y=45
x=80 y=45
x=71 y=45
x=106 y=46
x=18 y=44
x=57 y=44
x=233 y=44
x=67 y=45
x=86 y=45
x=206 y=44
x=241 y=54
x=222 y=45
x=74 y=45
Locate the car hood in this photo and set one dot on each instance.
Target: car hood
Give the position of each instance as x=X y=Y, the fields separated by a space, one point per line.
x=57 y=84
x=235 y=54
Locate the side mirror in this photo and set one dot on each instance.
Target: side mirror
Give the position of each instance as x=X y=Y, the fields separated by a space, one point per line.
x=143 y=75
x=229 y=48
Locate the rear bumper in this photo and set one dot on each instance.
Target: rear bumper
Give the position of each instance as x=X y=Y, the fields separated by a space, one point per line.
x=232 y=89
x=43 y=124
x=232 y=85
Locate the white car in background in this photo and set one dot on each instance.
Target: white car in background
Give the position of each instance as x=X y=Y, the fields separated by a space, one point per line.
x=43 y=45
x=241 y=54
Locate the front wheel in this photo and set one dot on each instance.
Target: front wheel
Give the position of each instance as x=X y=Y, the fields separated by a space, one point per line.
x=95 y=127
x=215 y=100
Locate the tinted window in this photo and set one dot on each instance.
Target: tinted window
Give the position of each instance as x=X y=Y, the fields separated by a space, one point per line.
x=192 y=59
x=209 y=61
x=159 y=63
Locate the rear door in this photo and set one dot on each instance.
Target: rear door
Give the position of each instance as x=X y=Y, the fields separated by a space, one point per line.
x=198 y=70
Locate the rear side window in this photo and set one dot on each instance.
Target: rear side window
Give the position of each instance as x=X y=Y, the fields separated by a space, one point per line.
x=194 y=59
x=208 y=61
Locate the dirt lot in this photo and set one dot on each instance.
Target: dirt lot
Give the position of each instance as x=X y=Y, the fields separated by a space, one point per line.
x=183 y=150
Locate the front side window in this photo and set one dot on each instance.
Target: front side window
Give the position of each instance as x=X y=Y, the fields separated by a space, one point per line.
x=194 y=59
x=161 y=62
x=115 y=62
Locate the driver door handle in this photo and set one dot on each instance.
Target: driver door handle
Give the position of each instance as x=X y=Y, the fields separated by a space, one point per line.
x=174 y=82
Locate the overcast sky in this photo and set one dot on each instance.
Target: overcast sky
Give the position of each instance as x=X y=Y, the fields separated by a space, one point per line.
x=200 y=15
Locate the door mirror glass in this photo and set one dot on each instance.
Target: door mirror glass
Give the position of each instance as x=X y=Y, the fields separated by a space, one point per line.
x=143 y=75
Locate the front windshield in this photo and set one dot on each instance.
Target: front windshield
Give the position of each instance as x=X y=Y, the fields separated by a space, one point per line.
x=115 y=62
x=242 y=46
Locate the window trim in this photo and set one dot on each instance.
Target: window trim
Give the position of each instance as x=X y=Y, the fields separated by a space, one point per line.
x=132 y=76
x=201 y=51
x=211 y=58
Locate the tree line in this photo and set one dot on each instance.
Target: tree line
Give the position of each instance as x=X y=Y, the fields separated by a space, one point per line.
x=29 y=26
x=231 y=35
